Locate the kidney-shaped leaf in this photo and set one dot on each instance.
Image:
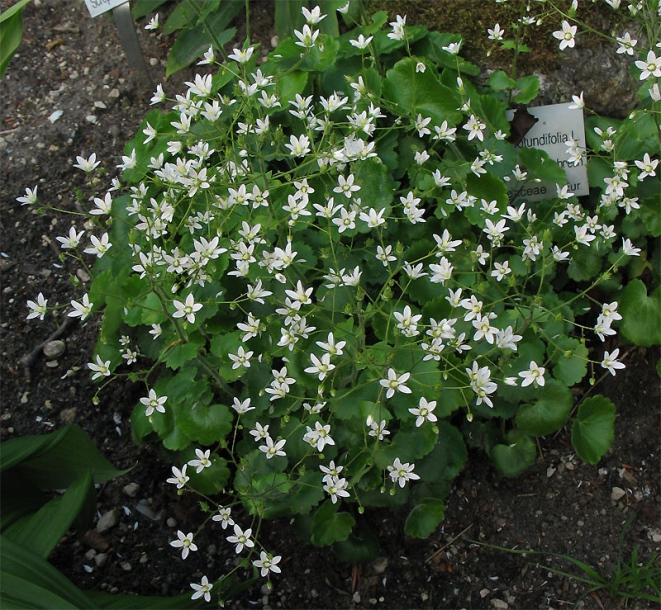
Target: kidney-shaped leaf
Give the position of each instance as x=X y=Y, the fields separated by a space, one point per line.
x=593 y=429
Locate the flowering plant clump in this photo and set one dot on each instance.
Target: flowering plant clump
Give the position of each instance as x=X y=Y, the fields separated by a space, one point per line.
x=314 y=269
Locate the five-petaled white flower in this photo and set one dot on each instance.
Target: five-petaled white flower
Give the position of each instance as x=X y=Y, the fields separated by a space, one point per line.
x=153 y=402
x=395 y=383
x=30 y=196
x=647 y=166
x=153 y=23
x=271 y=449
x=202 y=461
x=267 y=563
x=100 y=368
x=241 y=538
x=81 y=310
x=611 y=362
x=185 y=543
x=87 y=165
x=566 y=35
x=424 y=411
x=38 y=308
x=651 y=66
x=535 y=374
x=402 y=473
x=202 y=590
x=187 y=309
x=179 y=477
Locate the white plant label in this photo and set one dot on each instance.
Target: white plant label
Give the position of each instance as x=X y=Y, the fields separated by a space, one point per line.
x=98 y=7
x=557 y=124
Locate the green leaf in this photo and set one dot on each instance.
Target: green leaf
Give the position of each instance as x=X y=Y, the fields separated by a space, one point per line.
x=11 y=33
x=29 y=581
x=204 y=424
x=585 y=264
x=516 y=457
x=180 y=353
x=424 y=518
x=529 y=86
x=212 y=479
x=641 y=314
x=420 y=92
x=144 y=7
x=549 y=412
x=56 y=460
x=191 y=44
x=571 y=360
x=329 y=526
x=42 y=531
x=540 y=165
x=360 y=547
x=593 y=430
x=499 y=81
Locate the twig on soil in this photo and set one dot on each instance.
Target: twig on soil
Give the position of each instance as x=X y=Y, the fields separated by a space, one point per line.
x=445 y=546
x=30 y=357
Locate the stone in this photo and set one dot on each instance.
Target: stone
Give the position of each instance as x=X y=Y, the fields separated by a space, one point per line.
x=53 y=349
x=107 y=521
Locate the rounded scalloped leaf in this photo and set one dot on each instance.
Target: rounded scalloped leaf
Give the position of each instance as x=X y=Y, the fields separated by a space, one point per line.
x=516 y=457
x=329 y=525
x=593 y=430
x=205 y=424
x=570 y=358
x=549 y=413
x=424 y=518
x=360 y=547
x=641 y=314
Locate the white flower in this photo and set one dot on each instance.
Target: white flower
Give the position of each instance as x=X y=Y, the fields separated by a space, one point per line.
x=336 y=488
x=306 y=37
x=312 y=17
x=153 y=402
x=153 y=23
x=179 y=477
x=650 y=67
x=398 y=28
x=566 y=35
x=423 y=412
x=395 y=383
x=628 y=248
x=610 y=361
x=361 y=42
x=241 y=538
x=267 y=562
x=81 y=310
x=241 y=358
x=100 y=368
x=402 y=473
x=99 y=246
x=185 y=543
x=535 y=374
x=38 y=309
x=209 y=58
x=320 y=367
x=299 y=147
x=241 y=56
x=159 y=95
x=186 y=309
x=87 y=165
x=202 y=460
x=496 y=33
x=202 y=590
x=242 y=407
x=647 y=167
x=72 y=240
x=272 y=449
x=29 y=198
x=625 y=44
x=577 y=102
x=224 y=516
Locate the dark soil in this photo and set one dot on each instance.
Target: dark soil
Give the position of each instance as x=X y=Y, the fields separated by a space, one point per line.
x=69 y=62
